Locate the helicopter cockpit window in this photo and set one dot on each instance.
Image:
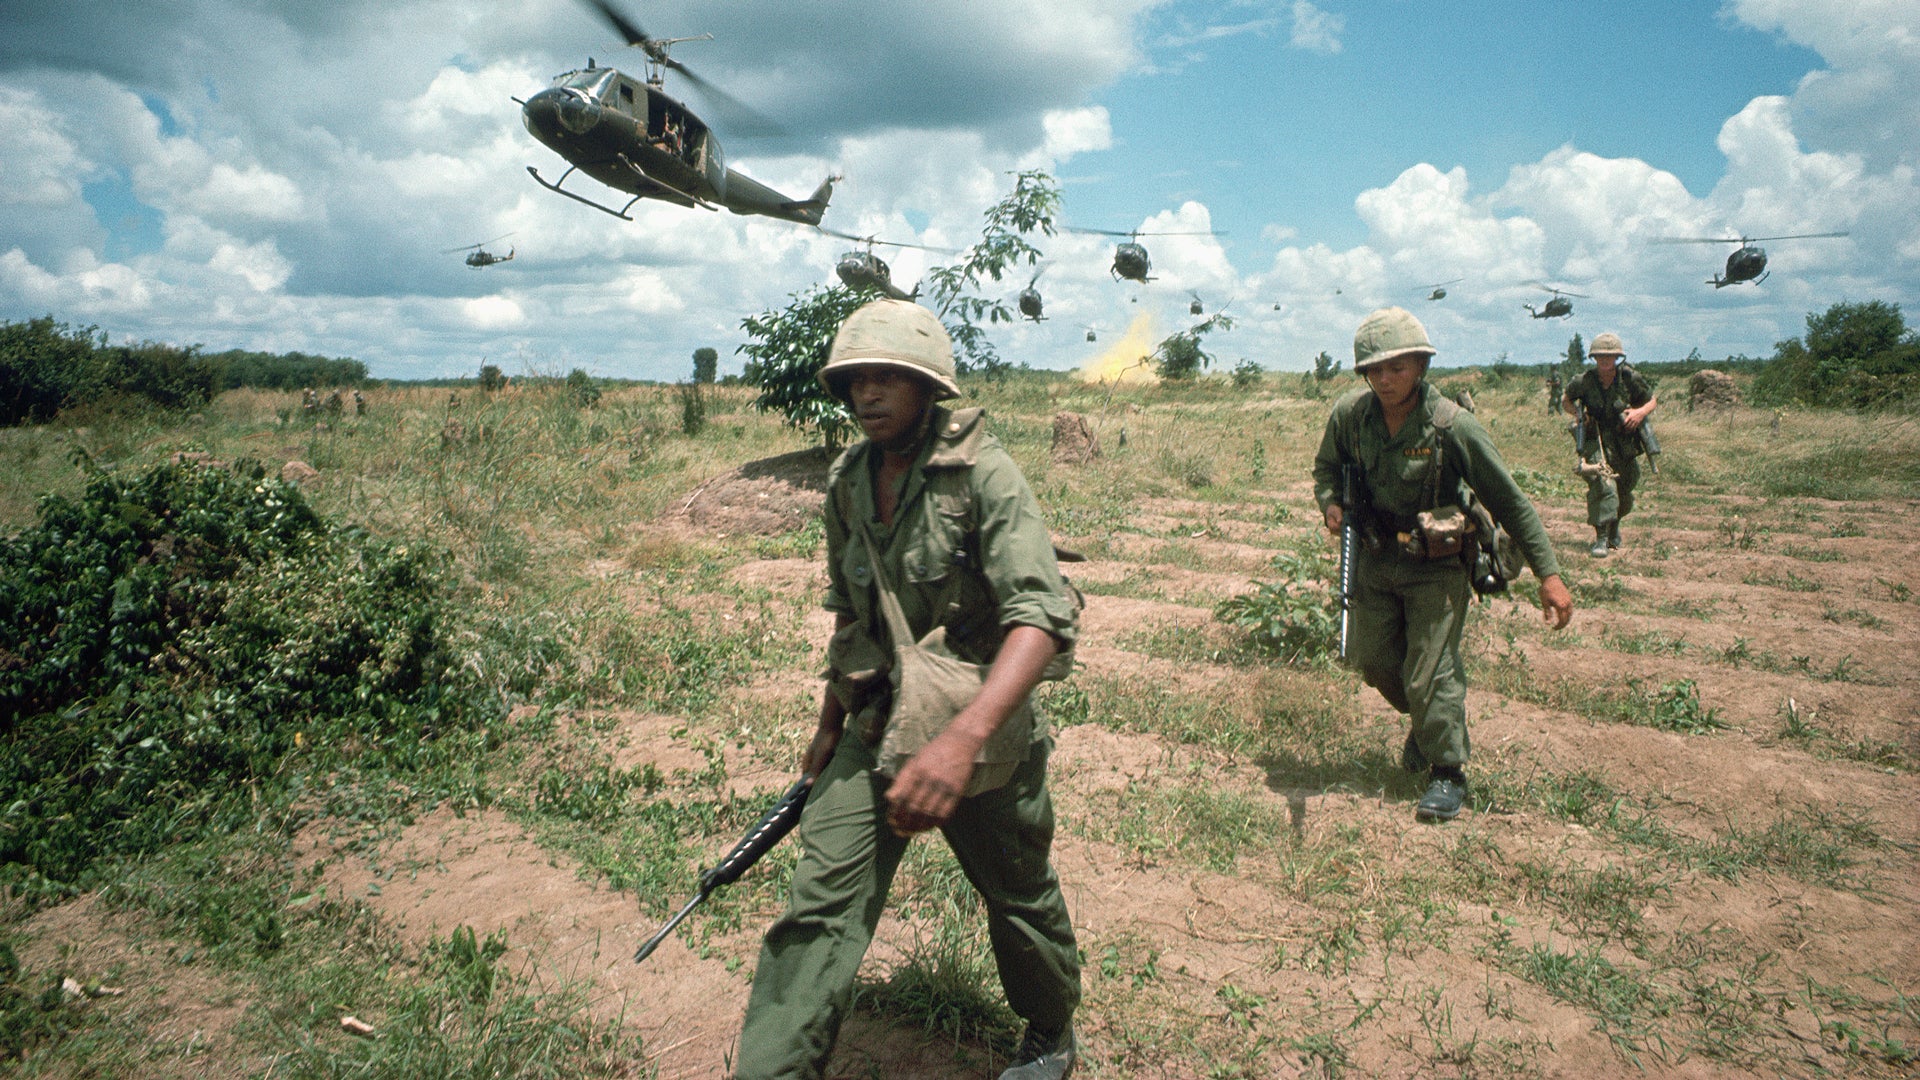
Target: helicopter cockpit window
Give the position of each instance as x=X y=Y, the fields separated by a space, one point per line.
x=593 y=80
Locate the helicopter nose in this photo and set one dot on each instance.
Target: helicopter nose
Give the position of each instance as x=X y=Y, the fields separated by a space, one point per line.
x=557 y=112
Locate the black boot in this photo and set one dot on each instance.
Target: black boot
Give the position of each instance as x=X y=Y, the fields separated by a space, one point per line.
x=1599 y=548
x=1446 y=794
x=1613 y=534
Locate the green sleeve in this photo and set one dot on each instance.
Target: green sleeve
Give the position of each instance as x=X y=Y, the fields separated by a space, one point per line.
x=1327 y=461
x=839 y=600
x=1486 y=473
x=1016 y=551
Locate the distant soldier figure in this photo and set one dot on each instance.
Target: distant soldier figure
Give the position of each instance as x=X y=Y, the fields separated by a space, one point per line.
x=1612 y=400
x=335 y=404
x=1417 y=451
x=359 y=404
x=1553 y=389
x=453 y=399
x=309 y=401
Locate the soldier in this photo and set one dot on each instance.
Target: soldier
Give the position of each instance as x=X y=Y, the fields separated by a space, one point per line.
x=1418 y=451
x=1553 y=389
x=1613 y=401
x=930 y=526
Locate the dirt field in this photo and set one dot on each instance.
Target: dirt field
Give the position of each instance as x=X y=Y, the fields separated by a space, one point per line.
x=1693 y=848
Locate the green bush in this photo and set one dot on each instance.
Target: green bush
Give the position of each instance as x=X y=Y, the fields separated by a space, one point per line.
x=170 y=639
x=1296 y=617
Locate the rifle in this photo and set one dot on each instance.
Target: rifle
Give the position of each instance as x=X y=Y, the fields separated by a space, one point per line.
x=1651 y=444
x=772 y=827
x=1349 y=544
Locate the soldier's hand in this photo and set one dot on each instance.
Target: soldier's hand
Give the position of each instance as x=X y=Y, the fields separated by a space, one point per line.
x=928 y=789
x=1336 y=516
x=1556 y=602
x=820 y=751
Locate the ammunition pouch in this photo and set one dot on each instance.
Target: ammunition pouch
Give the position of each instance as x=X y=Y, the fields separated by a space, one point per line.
x=1439 y=533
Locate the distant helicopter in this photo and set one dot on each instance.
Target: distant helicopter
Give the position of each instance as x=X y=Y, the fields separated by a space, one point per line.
x=1440 y=288
x=1195 y=308
x=481 y=256
x=1130 y=260
x=862 y=269
x=1747 y=263
x=1029 y=300
x=632 y=137
x=1093 y=333
x=1557 y=308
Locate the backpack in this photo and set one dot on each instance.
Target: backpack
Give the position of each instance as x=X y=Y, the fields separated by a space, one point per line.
x=1488 y=552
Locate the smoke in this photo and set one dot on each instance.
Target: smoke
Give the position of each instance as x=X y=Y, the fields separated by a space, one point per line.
x=1126 y=360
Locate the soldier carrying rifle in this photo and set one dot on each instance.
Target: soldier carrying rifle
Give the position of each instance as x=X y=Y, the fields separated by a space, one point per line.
x=1420 y=466
x=1610 y=404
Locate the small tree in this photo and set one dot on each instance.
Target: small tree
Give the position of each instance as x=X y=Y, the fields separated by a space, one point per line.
x=490 y=378
x=581 y=389
x=1180 y=357
x=1246 y=373
x=706 y=362
x=693 y=409
x=1576 y=355
x=954 y=289
x=1325 y=366
x=785 y=351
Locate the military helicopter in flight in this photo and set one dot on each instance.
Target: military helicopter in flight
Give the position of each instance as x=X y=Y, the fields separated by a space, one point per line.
x=1195 y=308
x=1440 y=288
x=1093 y=332
x=862 y=269
x=1557 y=308
x=1746 y=263
x=1029 y=299
x=631 y=136
x=1130 y=259
x=480 y=255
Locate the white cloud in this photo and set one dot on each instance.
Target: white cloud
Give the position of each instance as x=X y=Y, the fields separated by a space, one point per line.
x=1316 y=30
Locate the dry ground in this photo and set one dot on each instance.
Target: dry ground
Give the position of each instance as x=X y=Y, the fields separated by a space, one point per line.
x=1623 y=899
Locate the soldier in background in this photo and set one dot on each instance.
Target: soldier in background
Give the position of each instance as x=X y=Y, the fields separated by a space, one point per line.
x=1419 y=451
x=1613 y=401
x=1553 y=389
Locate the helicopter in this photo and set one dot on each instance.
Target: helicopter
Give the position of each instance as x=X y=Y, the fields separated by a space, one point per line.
x=862 y=269
x=1195 y=308
x=1029 y=300
x=1557 y=308
x=631 y=136
x=1130 y=260
x=1093 y=332
x=1440 y=288
x=1747 y=263
x=480 y=255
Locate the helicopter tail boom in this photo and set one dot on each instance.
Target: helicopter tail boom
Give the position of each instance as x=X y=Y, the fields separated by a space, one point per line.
x=814 y=207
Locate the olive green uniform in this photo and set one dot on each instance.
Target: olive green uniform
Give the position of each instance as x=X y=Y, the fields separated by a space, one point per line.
x=1610 y=498
x=964 y=508
x=1407 y=613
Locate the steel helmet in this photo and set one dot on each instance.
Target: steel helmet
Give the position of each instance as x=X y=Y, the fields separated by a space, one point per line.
x=1386 y=334
x=1608 y=343
x=891 y=333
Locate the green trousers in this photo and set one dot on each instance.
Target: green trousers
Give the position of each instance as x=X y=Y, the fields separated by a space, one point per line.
x=803 y=986
x=1610 y=498
x=1404 y=637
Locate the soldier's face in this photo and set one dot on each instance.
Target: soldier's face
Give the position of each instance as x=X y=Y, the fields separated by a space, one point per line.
x=1394 y=381
x=888 y=403
x=1605 y=362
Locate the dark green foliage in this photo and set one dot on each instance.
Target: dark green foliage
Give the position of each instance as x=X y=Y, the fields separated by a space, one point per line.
x=1002 y=246
x=693 y=409
x=33 y=1008
x=284 y=371
x=1325 y=366
x=170 y=638
x=1296 y=617
x=1576 y=356
x=785 y=351
x=1854 y=356
x=1246 y=373
x=705 y=362
x=46 y=367
x=1180 y=357
x=582 y=390
x=491 y=378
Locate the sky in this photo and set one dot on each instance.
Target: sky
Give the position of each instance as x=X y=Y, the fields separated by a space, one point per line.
x=280 y=175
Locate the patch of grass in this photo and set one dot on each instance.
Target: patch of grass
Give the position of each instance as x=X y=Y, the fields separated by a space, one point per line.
x=1689 y=608
x=1812 y=554
x=1860 y=617
x=1195 y=824
x=1645 y=643
x=1625 y=1004
x=1789 y=581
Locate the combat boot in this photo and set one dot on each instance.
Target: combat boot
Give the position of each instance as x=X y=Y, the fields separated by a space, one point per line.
x=1042 y=1057
x=1613 y=534
x=1446 y=794
x=1599 y=548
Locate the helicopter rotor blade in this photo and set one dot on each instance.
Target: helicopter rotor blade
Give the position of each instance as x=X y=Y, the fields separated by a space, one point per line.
x=481 y=244
x=1793 y=236
x=871 y=240
x=740 y=116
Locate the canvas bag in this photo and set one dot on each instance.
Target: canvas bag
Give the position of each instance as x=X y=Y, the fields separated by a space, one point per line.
x=931 y=684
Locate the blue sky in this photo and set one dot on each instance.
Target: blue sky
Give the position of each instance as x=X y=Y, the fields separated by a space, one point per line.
x=278 y=175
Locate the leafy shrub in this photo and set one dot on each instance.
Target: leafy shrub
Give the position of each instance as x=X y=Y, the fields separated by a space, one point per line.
x=1296 y=617
x=45 y=367
x=171 y=638
x=581 y=389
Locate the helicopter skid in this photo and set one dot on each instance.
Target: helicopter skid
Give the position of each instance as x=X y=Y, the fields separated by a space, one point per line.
x=556 y=188
x=691 y=199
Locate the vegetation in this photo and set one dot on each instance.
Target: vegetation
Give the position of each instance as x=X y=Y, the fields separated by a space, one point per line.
x=623 y=686
x=706 y=362
x=1003 y=245
x=1854 y=355
x=47 y=366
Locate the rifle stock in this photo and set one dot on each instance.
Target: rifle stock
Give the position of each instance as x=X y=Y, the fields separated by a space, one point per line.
x=1652 y=445
x=772 y=827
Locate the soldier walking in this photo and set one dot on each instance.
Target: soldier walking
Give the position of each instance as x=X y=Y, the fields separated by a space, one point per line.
x=1417 y=451
x=932 y=532
x=1612 y=401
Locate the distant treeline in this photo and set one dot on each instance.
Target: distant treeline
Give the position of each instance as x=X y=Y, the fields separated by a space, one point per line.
x=47 y=366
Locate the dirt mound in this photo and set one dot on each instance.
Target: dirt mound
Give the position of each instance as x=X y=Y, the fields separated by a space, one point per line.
x=1709 y=389
x=765 y=497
